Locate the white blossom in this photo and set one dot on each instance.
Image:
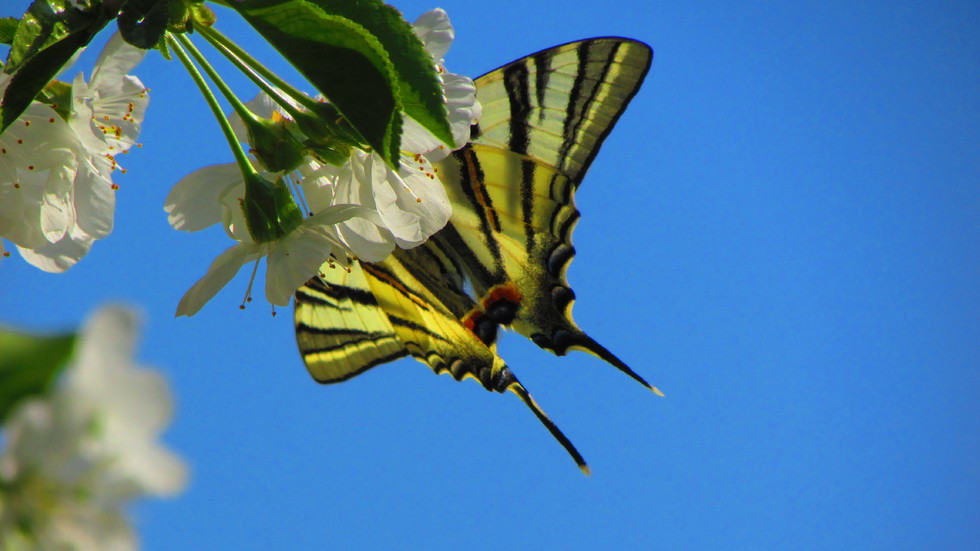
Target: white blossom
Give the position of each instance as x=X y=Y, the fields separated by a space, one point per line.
x=437 y=34
x=75 y=458
x=290 y=260
x=56 y=191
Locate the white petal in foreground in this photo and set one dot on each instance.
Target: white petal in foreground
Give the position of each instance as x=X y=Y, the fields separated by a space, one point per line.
x=131 y=419
x=94 y=199
x=116 y=60
x=74 y=459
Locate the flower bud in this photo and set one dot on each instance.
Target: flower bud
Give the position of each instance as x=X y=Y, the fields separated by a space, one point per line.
x=269 y=209
x=274 y=144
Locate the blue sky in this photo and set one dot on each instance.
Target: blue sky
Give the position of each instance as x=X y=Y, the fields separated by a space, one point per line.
x=782 y=234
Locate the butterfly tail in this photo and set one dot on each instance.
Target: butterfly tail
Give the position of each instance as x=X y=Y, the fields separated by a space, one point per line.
x=564 y=340
x=507 y=381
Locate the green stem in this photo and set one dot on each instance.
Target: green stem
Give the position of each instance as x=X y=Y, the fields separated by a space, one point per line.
x=276 y=94
x=236 y=104
x=236 y=147
x=254 y=69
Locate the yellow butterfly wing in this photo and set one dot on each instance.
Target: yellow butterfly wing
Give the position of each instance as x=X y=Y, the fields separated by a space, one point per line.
x=347 y=323
x=509 y=237
x=341 y=328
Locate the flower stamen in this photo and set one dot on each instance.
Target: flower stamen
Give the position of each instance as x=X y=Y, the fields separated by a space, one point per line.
x=248 y=290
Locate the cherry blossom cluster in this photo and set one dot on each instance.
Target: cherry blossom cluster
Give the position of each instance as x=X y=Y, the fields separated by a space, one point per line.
x=56 y=191
x=363 y=208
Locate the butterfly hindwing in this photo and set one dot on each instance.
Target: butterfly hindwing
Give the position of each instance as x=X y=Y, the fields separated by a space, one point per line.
x=341 y=329
x=348 y=322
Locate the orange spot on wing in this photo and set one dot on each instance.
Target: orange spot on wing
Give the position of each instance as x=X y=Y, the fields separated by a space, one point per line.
x=504 y=291
x=470 y=320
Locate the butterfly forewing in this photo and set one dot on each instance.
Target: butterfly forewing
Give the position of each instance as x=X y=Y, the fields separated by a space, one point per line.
x=544 y=119
x=558 y=105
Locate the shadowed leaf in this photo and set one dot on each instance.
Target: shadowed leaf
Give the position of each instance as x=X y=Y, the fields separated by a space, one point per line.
x=29 y=365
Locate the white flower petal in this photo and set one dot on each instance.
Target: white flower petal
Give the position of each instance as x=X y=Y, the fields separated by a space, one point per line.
x=84 y=118
x=417 y=139
x=194 y=202
x=157 y=470
x=354 y=182
x=292 y=262
x=57 y=215
x=318 y=183
x=232 y=216
x=340 y=213
x=360 y=229
x=366 y=240
x=402 y=224
x=219 y=274
x=464 y=109
x=57 y=209
x=109 y=339
x=116 y=59
x=20 y=210
x=94 y=202
x=435 y=32
x=425 y=198
x=58 y=257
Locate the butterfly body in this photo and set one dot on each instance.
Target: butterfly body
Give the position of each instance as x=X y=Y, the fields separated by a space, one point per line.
x=502 y=258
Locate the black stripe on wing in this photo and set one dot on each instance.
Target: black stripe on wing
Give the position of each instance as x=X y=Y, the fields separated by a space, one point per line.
x=516 y=84
x=334 y=295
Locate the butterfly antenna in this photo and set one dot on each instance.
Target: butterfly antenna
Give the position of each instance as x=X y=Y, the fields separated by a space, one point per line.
x=509 y=382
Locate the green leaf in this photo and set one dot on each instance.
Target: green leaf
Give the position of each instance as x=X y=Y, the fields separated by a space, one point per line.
x=29 y=365
x=143 y=22
x=345 y=62
x=45 y=23
x=8 y=27
x=420 y=88
x=45 y=40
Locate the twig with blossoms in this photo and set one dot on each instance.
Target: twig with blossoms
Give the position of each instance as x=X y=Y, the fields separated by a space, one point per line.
x=325 y=176
x=386 y=207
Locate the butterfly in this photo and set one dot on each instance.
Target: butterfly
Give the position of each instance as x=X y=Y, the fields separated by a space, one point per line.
x=502 y=258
